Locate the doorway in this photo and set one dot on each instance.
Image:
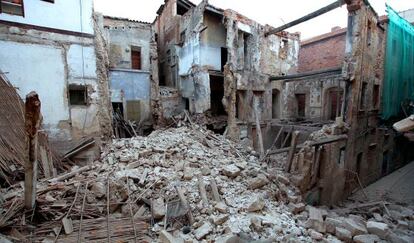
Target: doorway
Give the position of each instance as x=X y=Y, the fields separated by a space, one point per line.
x=275 y=103
x=216 y=95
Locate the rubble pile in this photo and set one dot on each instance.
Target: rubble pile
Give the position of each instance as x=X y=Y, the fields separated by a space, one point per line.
x=360 y=222
x=228 y=190
x=186 y=183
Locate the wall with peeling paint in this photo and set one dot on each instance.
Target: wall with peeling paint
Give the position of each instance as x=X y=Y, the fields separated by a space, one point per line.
x=62 y=15
x=122 y=36
x=48 y=62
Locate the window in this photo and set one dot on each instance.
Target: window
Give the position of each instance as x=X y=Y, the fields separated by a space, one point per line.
x=335 y=100
x=14 y=7
x=78 y=95
x=283 y=49
x=375 y=96
x=136 y=58
x=301 y=103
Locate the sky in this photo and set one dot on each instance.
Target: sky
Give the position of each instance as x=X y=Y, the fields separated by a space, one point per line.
x=272 y=12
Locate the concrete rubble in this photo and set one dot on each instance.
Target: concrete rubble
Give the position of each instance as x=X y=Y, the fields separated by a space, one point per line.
x=146 y=173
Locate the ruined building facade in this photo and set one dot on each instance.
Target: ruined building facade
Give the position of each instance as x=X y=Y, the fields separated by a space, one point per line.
x=51 y=48
x=350 y=94
x=219 y=61
x=129 y=48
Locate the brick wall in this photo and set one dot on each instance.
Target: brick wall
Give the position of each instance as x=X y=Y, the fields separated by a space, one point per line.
x=323 y=52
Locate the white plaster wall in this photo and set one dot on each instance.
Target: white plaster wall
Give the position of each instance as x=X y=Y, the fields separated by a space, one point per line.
x=74 y=58
x=63 y=14
x=211 y=57
x=37 y=68
x=189 y=55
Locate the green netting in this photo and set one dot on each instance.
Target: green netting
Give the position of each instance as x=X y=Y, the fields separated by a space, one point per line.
x=399 y=65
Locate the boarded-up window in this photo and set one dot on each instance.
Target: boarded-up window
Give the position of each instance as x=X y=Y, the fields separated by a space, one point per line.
x=78 y=95
x=136 y=58
x=301 y=103
x=14 y=7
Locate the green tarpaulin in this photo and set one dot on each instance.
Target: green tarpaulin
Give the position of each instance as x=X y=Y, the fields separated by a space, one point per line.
x=399 y=65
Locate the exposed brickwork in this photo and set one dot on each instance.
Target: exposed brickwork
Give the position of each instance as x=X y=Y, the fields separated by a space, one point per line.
x=323 y=52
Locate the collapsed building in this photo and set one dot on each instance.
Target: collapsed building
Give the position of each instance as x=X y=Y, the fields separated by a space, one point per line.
x=220 y=62
x=321 y=125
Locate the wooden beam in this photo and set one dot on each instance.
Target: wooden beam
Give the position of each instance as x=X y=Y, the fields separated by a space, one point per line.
x=32 y=124
x=292 y=150
x=321 y=11
x=290 y=78
x=314 y=143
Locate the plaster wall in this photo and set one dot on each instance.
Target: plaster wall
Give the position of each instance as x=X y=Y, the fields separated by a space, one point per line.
x=40 y=68
x=64 y=15
x=122 y=37
x=212 y=40
x=48 y=63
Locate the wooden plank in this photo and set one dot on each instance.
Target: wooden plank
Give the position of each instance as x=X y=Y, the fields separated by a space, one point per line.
x=32 y=124
x=70 y=174
x=292 y=150
x=287 y=137
x=299 y=76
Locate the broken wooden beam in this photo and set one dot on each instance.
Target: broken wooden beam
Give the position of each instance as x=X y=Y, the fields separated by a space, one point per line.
x=32 y=124
x=315 y=14
x=313 y=143
x=202 y=188
x=70 y=174
x=292 y=150
x=293 y=77
x=80 y=147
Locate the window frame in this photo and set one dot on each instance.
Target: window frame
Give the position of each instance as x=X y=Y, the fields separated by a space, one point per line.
x=135 y=49
x=77 y=88
x=2 y=11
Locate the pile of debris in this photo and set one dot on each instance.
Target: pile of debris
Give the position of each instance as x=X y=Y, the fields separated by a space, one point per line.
x=180 y=183
x=187 y=184
x=360 y=222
